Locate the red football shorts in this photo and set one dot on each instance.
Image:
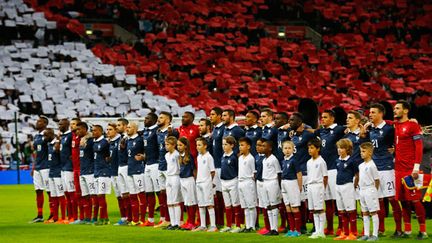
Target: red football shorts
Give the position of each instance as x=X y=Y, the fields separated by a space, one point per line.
x=403 y=193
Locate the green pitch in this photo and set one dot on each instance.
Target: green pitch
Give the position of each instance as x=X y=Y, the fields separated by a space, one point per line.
x=17 y=207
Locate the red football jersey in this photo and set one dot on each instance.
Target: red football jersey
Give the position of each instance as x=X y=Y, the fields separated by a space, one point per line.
x=191 y=132
x=408 y=145
x=75 y=152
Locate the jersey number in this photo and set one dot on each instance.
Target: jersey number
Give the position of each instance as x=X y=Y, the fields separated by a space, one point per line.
x=390 y=185
x=375 y=143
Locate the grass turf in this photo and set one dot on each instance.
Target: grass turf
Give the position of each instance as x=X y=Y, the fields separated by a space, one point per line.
x=17 y=207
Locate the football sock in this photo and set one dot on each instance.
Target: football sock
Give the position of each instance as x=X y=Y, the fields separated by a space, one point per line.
x=366 y=225
x=127 y=208
x=219 y=208
x=421 y=215
x=163 y=206
x=340 y=219
x=39 y=202
x=316 y=222
x=95 y=203
x=142 y=205
x=103 y=207
x=238 y=215
x=266 y=219
x=229 y=216
x=283 y=215
x=151 y=200
x=171 y=212
x=134 y=207
x=353 y=222
x=55 y=208
x=381 y=216
x=194 y=209
x=406 y=215
x=202 y=212
x=51 y=203
x=212 y=216
x=81 y=207
x=247 y=217
x=322 y=218
x=304 y=213
x=177 y=215
x=375 y=225
x=274 y=218
x=291 y=222
x=270 y=216
x=397 y=213
x=75 y=204
x=252 y=215
x=330 y=209
x=121 y=207
x=297 y=221
x=346 y=222
x=62 y=201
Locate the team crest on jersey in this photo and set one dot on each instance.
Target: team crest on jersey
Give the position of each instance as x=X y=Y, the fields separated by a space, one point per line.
x=133 y=144
x=73 y=143
x=255 y=133
x=190 y=131
x=403 y=129
x=99 y=146
x=229 y=161
x=381 y=132
x=300 y=138
x=331 y=131
x=345 y=165
x=357 y=138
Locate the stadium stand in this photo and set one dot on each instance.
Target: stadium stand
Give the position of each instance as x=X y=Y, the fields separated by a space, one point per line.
x=222 y=48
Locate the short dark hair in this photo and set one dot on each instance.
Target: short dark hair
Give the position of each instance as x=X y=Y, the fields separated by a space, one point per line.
x=284 y=115
x=113 y=125
x=123 y=121
x=82 y=124
x=262 y=140
x=76 y=119
x=254 y=113
x=367 y=146
x=378 y=106
x=98 y=127
x=405 y=104
x=356 y=114
x=207 y=121
x=268 y=111
x=217 y=110
x=298 y=115
x=191 y=114
x=269 y=142
x=165 y=113
x=330 y=112
x=245 y=140
x=230 y=112
x=202 y=140
x=230 y=140
x=315 y=142
x=153 y=116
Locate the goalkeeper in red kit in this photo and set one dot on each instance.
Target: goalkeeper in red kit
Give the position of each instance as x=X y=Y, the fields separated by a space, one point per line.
x=408 y=156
